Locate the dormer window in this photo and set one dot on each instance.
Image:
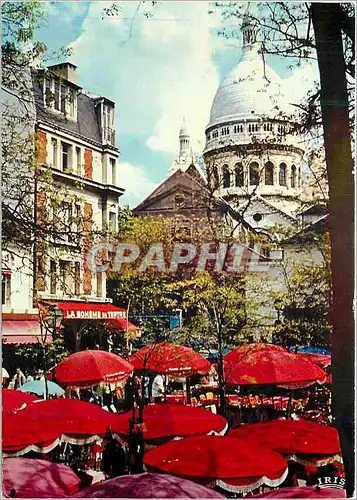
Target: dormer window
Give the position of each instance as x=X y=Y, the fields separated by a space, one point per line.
x=60 y=97
x=108 y=132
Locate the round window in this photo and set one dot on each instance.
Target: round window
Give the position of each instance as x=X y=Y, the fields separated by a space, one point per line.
x=257 y=217
x=179 y=199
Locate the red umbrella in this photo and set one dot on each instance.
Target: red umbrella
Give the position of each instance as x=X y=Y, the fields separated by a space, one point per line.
x=172 y=420
x=30 y=478
x=316 y=444
x=147 y=486
x=262 y=364
x=220 y=461
x=172 y=359
x=305 y=492
x=41 y=426
x=15 y=400
x=322 y=360
x=86 y=368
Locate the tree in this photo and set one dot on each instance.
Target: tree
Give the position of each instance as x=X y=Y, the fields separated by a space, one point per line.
x=38 y=220
x=297 y=31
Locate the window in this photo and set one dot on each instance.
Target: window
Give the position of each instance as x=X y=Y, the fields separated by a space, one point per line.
x=225 y=131
x=56 y=102
x=53 y=277
x=282 y=174
x=112 y=221
x=6 y=289
x=226 y=177
x=66 y=156
x=108 y=124
x=48 y=92
x=60 y=97
x=79 y=161
x=299 y=178
x=257 y=217
x=64 y=92
x=293 y=176
x=66 y=279
x=215 y=134
x=239 y=175
x=99 y=284
x=112 y=174
x=254 y=174
x=215 y=178
x=77 y=278
x=54 y=151
x=269 y=174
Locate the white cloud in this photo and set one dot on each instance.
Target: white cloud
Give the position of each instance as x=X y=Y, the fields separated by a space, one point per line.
x=136 y=183
x=302 y=81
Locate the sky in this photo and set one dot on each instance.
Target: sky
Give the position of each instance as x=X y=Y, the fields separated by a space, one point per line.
x=158 y=64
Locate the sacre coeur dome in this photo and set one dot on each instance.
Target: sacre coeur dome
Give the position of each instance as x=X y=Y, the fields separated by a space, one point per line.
x=252 y=89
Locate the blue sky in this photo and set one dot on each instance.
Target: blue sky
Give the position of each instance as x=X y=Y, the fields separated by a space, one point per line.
x=157 y=70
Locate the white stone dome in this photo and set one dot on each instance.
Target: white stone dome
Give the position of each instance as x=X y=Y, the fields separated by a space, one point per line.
x=252 y=89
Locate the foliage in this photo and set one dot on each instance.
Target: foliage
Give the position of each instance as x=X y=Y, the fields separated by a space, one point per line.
x=42 y=358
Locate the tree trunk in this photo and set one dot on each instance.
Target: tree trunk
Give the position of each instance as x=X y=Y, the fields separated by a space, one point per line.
x=337 y=138
x=220 y=371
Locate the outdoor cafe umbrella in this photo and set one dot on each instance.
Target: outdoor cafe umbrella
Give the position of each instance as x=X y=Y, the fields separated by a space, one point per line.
x=219 y=461
x=170 y=359
x=303 y=492
x=322 y=360
x=90 y=367
x=147 y=485
x=14 y=400
x=43 y=425
x=172 y=420
x=39 y=387
x=300 y=440
x=267 y=364
x=32 y=478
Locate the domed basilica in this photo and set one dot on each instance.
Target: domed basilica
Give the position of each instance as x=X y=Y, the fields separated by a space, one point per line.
x=253 y=159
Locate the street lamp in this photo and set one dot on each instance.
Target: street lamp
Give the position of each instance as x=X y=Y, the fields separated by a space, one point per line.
x=278 y=304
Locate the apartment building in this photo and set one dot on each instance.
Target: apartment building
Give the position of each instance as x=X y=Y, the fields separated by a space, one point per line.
x=76 y=200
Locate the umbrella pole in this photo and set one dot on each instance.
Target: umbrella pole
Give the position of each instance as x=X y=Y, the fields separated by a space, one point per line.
x=188 y=390
x=288 y=408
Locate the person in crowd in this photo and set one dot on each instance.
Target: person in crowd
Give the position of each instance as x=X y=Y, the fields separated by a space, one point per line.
x=146 y=390
x=29 y=377
x=114 y=459
x=107 y=397
x=18 y=379
x=158 y=388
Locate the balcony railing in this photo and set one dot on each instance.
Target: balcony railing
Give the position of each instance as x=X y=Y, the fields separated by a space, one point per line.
x=108 y=135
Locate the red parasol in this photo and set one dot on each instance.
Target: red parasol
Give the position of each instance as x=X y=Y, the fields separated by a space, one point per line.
x=30 y=478
x=262 y=364
x=41 y=426
x=147 y=486
x=171 y=359
x=322 y=360
x=316 y=444
x=87 y=368
x=15 y=400
x=305 y=492
x=172 y=420
x=219 y=461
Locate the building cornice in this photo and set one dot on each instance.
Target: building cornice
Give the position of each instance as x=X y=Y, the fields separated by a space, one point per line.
x=57 y=129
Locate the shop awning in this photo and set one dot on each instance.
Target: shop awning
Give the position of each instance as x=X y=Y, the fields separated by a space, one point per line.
x=23 y=331
x=89 y=310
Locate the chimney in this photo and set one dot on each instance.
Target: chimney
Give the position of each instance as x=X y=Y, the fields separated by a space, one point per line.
x=66 y=70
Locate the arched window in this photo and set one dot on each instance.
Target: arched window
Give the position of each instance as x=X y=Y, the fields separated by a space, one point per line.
x=299 y=179
x=269 y=174
x=226 y=177
x=239 y=175
x=293 y=176
x=254 y=174
x=215 y=178
x=282 y=174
